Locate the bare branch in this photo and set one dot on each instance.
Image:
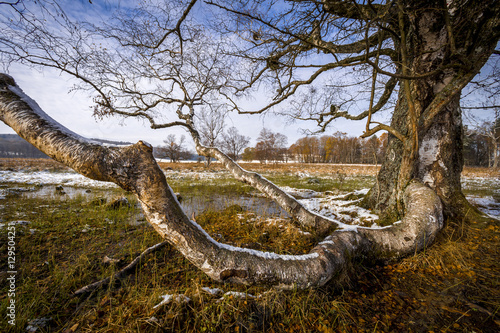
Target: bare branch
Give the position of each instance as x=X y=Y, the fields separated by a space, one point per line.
x=443 y=98
x=310 y=40
x=122 y=272
x=326 y=118
x=290 y=88
x=480 y=107
x=177 y=28
x=383 y=127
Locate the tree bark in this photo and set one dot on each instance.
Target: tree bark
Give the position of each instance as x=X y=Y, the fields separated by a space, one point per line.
x=134 y=169
x=427 y=113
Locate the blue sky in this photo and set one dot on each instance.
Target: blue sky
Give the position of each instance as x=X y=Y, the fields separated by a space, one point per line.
x=52 y=90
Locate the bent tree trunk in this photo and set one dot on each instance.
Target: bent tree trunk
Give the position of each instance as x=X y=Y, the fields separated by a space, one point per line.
x=134 y=169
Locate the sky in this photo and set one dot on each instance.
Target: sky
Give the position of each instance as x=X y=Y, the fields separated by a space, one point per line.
x=51 y=89
x=73 y=109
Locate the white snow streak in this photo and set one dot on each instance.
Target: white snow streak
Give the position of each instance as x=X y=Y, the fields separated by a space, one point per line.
x=169 y=298
x=337 y=209
x=238 y=295
x=213 y=291
x=52 y=178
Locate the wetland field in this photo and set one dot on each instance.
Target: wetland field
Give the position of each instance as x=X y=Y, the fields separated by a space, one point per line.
x=61 y=231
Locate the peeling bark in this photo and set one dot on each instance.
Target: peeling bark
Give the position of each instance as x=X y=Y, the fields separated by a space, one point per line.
x=419 y=227
x=135 y=169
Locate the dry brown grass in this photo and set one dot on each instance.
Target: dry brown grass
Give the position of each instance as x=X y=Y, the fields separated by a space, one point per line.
x=31 y=164
x=310 y=168
x=453 y=286
x=36 y=164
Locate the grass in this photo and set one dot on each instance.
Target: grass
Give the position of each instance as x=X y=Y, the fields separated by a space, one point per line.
x=324 y=183
x=452 y=286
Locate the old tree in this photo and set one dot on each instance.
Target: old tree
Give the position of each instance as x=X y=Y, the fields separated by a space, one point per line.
x=164 y=61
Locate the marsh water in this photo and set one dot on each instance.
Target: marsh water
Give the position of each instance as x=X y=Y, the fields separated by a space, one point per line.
x=191 y=204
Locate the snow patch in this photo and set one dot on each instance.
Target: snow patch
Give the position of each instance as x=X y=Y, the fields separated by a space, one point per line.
x=212 y=291
x=303 y=193
x=39 y=323
x=52 y=178
x=487 y=205
x=337 y=208
x=179 y=298
x=238 y=295
x=303 y=174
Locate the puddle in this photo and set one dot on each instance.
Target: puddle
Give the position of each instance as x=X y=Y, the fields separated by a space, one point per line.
x=67 y=192
x=195 y=204
x=258 y=205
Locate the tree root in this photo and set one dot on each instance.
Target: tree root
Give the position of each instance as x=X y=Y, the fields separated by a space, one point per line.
x=121 y=273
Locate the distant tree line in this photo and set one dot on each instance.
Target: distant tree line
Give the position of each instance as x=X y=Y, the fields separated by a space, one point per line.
x=173 y=149
x=481 y=148
x=231 y=142
x=482 y=144
x=339 y=148
x=12 y=145
x=336 y=148
x=270 y=147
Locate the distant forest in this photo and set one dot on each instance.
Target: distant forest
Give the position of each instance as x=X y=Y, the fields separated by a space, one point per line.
x=13 y=146
x=479 y=149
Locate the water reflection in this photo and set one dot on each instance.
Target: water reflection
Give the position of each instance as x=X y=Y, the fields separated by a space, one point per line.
x=258 y=205
x=190 y=204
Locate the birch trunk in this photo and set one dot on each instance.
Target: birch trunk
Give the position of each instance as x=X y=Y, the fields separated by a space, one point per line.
x=427 y=112
x=134 y=169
